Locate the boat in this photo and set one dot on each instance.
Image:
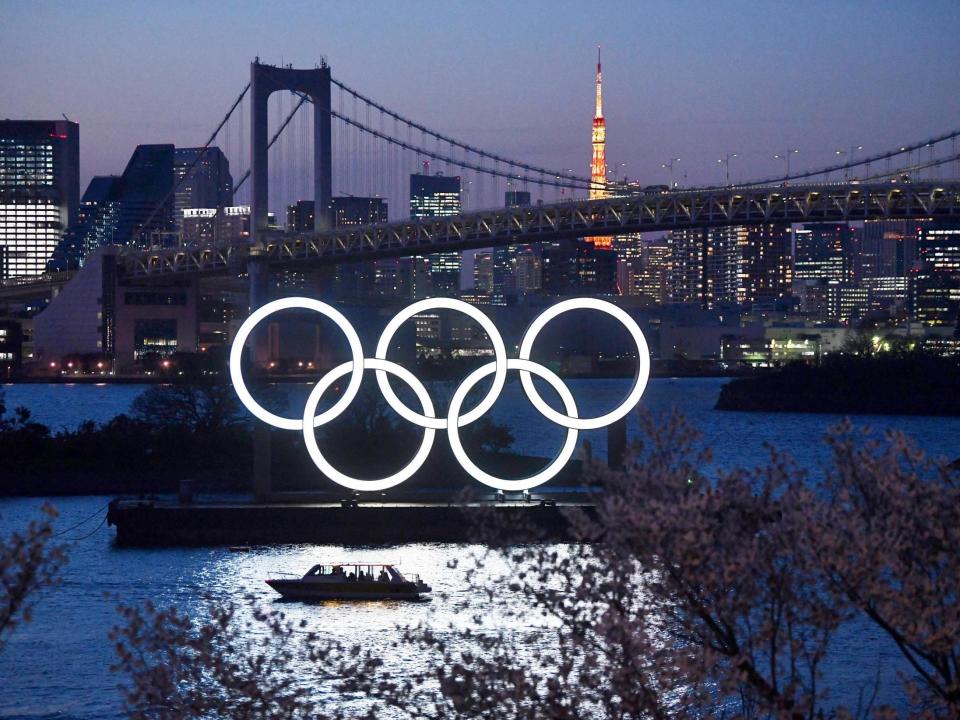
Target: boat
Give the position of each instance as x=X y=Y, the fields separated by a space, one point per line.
x=351 y=581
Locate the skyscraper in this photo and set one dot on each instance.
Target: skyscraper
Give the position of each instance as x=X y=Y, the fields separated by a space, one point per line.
x=936 y=280
x=571 y=267
x=686 y=266
x=349 y=211
x=203 y=180
x=137 y=206
x=504 y=258
x=890 y=247
x=353 y=279
x=39 y=191
x=300 y=216
x=483 y=273
x=704 y=266
x=598 y=163
x=823 y=252
x=644 y=270
x=766 y=263
x=438 y=196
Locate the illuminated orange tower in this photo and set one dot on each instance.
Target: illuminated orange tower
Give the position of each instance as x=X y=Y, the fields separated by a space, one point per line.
x=598 y=166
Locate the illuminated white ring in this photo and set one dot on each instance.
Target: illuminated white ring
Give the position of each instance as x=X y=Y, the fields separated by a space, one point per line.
x=566 y=452
x=639 y=382
x=236 y=355
x=499 y=354
x=310 y=437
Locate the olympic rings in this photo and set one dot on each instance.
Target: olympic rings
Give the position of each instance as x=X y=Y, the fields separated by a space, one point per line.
x=639 y=381
x=499 y=354
x=428 y=419
x=381 y=366
x=453 y=431
x=236 y=354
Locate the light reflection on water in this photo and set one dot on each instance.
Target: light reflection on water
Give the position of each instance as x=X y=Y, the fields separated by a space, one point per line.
x=59 y=663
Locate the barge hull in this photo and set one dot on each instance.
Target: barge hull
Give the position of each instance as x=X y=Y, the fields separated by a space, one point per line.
x=146 y=524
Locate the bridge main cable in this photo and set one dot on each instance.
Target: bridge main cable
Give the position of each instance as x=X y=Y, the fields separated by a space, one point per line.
x=454 y=142
x=574 y=183
x=846 y=166
x=276 y=136
x=200 y=155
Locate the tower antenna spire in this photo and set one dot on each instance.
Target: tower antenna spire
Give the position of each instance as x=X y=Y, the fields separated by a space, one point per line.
x=598 y=165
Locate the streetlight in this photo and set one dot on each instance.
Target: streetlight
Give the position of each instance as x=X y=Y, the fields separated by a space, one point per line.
x=849 y=156
x=725 y=161
x=786 y=156
x=668 y=165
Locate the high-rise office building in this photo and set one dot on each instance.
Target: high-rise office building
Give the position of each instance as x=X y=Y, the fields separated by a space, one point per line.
x=408 y=278
x=438 y=196
x=528 y=271
x=202 y=178
x=134 y=207
x=889 y=253
x=628 y=247
x=704 y=266
x=890 y=247
x=351 y=211
x=504 y=258
x=686 y=266
x=571 y=267
x=721 y=267
x=766 y=263
x=300 y=216
x=354 y=280
x=39 y=191
x=483 y=271
x=647 y=273
x=824 y=251
x=97 y=207
x=936 y=279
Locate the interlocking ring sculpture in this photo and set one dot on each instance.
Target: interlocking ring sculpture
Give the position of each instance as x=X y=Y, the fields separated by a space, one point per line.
x=427 y=417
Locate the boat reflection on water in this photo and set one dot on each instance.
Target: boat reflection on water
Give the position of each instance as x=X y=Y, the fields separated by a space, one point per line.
x=351 y=581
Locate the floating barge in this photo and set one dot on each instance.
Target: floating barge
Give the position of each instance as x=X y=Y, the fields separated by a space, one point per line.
x=145 y=523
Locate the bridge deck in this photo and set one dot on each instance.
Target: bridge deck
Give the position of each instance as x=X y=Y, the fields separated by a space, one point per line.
x=838 y=202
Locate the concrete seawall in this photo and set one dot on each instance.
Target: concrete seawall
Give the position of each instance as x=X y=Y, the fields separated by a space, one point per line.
x=152 y=524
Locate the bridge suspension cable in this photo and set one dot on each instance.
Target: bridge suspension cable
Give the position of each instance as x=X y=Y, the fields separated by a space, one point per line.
x=276 y=136
x=196 y=161
x=559 y=180
x=541 y=177
x=905 y=149
x=585 y=181
x=912 y=168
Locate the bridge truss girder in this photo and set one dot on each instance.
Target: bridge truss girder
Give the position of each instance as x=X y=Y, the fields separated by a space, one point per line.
x=583 y=218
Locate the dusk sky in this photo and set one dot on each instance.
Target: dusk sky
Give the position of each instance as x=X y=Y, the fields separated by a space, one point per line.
x=694 y=80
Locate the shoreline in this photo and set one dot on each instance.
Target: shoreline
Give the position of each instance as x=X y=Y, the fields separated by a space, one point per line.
x=302 y=379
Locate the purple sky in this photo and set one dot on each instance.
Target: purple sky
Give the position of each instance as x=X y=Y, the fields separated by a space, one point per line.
x=688 y=79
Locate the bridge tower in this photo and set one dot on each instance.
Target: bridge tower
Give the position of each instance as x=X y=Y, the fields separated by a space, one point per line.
x=264 y=81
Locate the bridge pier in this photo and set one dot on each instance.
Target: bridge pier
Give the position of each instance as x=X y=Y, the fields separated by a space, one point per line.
x=258 y=275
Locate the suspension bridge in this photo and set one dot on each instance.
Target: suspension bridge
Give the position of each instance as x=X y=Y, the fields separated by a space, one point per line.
x=374 y=150
x=352 y=145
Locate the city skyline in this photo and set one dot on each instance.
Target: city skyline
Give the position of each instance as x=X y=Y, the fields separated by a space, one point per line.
x=678 y=82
